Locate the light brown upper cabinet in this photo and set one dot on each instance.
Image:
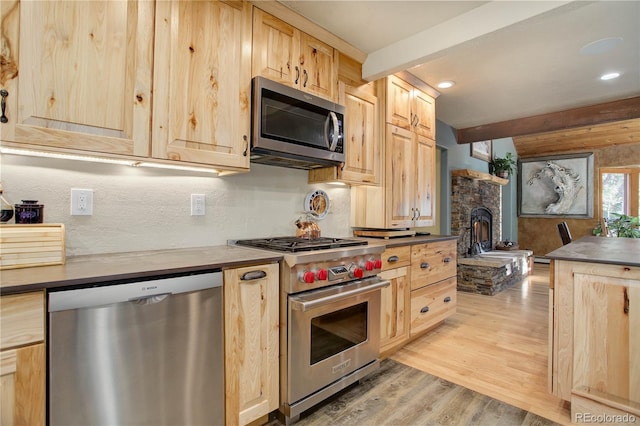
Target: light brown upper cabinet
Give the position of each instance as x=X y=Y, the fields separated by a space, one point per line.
x=406 y=196
x=285 y=54
x=78 y=75
x=202 y=83
x=361 y=139
x=410 y=108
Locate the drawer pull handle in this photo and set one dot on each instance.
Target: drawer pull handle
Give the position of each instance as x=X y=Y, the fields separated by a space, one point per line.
x=424 y=265
x=253 y=275
x=424 y=310
x=4 y=95
x=447 y=259
x=626 y=301
x=393 y=259
x=447 y=299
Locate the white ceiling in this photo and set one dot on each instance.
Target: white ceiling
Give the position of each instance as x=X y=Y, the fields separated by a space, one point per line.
x=509 y=59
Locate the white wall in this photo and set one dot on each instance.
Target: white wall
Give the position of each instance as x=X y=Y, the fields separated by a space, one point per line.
x=148 y=209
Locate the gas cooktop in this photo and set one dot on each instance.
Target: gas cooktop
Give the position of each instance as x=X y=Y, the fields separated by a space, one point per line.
x=297 y=244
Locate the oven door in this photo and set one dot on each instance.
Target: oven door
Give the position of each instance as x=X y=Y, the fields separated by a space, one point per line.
x=332 y=332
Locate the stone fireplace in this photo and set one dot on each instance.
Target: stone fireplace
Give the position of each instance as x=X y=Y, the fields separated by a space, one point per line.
x=476 y=218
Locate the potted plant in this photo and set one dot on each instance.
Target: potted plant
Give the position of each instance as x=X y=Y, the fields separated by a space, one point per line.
x=624 y=226
x=503 y=166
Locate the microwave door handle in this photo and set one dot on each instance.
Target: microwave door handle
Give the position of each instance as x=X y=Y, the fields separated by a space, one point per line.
x=332 y=119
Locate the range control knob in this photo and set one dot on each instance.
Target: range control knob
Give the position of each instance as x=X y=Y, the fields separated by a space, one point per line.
x=368 y=265
x=322 y=274
x=355 y=272
x=377 y=264
x=308 y=277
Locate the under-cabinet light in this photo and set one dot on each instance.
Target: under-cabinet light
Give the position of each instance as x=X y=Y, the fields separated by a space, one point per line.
x=175 y=167
x=30 y=153
x=88 y=158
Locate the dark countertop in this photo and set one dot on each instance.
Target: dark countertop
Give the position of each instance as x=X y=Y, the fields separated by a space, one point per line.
x=100 y=268
x=407 y=241
x=615 y=251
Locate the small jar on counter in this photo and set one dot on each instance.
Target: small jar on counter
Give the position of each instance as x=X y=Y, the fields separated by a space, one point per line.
x=6 y=208
x=29 y=212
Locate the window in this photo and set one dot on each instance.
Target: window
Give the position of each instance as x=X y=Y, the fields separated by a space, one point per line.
x=619 y=191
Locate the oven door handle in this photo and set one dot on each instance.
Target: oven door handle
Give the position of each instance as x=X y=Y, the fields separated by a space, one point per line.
x=307 y=305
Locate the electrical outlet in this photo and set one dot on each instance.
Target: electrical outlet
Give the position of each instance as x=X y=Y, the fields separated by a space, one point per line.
x=81 y=202
x=197 y=204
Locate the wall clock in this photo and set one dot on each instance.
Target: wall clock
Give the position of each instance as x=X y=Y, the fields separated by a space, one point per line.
x=317 y=204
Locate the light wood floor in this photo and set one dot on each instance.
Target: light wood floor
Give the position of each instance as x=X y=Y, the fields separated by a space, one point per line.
x=497 y=346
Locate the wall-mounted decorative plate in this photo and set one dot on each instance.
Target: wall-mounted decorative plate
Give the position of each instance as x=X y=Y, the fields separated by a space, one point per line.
x=317 y=204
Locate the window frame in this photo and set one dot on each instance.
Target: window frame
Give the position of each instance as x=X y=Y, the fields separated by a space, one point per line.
x=632 y=203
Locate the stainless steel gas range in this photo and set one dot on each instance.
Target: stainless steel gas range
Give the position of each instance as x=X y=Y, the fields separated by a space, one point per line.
x=330 y=316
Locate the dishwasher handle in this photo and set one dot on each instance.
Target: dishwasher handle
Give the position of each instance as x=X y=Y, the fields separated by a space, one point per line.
x=108 y=294
x=149 y=300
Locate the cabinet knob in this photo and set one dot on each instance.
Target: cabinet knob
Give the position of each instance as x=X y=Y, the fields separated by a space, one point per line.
x=424 y=310
x=424 y=265
x=393 y=259
x=447 y=259
x=447 y=299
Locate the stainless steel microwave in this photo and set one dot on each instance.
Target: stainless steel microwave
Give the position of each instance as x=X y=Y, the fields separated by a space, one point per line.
x=291 y=128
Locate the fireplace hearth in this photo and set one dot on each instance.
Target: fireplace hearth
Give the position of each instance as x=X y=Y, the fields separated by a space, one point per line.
x=476 y=217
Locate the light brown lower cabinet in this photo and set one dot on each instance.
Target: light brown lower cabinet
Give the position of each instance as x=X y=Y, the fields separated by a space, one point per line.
x=251 y=342
x=22 y=359
x=422 y=293
x=394 y=315
x=594 y=344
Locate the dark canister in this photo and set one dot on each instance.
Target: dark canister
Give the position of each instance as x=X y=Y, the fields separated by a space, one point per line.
x=29 y=212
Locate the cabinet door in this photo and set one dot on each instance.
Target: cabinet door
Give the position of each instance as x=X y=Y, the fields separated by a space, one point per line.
x=394 y=318
x=22 y=386
x=361 y=139
x=276 y=49
x=606 y=320
x=319 y=69
x=424 y=110
x=251 y=342
x=81 y=80
x=425 y=180
x=202 y=83
x=399 y=169
x=399 y=98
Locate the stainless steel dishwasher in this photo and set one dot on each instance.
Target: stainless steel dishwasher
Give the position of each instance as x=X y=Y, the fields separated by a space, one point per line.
x=143 y=353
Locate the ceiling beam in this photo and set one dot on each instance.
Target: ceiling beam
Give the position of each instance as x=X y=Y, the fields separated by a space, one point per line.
x=625 y=109
x=484 y=19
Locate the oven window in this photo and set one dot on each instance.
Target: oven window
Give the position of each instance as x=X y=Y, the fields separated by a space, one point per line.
x=338 y=331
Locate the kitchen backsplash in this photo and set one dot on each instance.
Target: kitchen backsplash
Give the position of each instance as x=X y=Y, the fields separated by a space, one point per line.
x=147 y=209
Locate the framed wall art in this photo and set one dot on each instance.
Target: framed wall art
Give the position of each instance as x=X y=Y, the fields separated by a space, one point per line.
x=560 y=185
x=481 y=150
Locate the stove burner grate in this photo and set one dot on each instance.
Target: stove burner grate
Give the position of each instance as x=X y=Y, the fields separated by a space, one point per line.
x=296 y=244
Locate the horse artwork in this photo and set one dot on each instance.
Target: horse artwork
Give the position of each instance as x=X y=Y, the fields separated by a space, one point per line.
x=558 y=186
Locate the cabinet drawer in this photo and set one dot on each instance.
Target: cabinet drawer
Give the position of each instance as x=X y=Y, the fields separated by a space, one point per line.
x=432 y=262
x=21 y=319
x=396 y=257
x=432 y=304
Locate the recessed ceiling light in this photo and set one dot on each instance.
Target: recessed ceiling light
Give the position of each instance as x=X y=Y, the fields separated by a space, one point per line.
x=610 y=76
x=445 y=84
x=601 y=46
